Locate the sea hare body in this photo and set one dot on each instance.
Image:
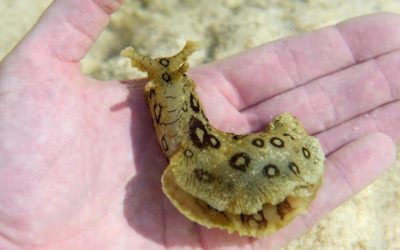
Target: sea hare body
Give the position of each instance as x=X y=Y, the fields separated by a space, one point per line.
x=251 y=184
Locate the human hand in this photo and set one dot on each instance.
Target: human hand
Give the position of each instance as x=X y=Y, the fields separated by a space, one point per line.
x=79 y=164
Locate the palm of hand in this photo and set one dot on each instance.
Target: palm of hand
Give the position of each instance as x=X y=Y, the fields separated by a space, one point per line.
x=81 y=167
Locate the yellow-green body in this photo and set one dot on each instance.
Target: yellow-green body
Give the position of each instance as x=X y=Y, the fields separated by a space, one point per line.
x=251 y=184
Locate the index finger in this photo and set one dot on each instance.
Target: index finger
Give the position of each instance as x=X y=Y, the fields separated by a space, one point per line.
x=268 y=70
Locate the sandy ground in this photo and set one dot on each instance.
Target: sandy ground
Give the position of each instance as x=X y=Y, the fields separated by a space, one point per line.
x=368 y=221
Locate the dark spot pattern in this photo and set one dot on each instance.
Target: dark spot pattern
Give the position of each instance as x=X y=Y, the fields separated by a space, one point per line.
x=203 y=175
x=185 y=87
x=237 y=137
x=240 y=161
x=294 y=168
x=253 y=220
x=164 y=144
x=196 y=127
x=283 y=208
x=203 y=115
x=288 y=135
x=211 y=211
x=166 y=77
x=208 y=126
x=188 y=153
x=164 y=62
x=245 y=218
x=270 y=170
x=194 y=104
x=306 y=153
x=214 y=142
x=278 y=124
x=277 y=142
x=258 y=142
x=200 y=136
x=152 y=93
x=157 y=108
x=185 y=107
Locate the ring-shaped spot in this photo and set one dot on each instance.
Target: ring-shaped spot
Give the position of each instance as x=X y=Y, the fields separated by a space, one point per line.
x=277 y=142
x=203 y=175
x=185 y=107
x=164 y=62
x=198 y=133
x=164 y=144
x=213 y=141
x=294 y=168
x=166 y=77
x=240 y=161
x=306 y=153
x=188 y=153
x=270 y=170
x=258 y=142
x=194 y=104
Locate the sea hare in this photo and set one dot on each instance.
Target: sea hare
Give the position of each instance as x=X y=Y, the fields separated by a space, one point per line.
x=252 y=184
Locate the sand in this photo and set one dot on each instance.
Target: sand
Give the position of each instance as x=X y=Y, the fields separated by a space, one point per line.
x=371 y=219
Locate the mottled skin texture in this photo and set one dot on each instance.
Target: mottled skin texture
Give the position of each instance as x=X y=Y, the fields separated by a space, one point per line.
x=251 y=184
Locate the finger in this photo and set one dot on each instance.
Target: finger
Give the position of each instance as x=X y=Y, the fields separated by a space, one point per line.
x=348 y=171
x=268 y=70
x=336 y=98
x=69 y=28
x=385 y=119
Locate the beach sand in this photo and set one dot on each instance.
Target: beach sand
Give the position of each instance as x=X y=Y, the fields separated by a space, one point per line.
x=371 y=219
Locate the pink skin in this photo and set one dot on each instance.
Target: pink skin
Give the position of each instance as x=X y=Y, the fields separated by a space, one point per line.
x=79 y=164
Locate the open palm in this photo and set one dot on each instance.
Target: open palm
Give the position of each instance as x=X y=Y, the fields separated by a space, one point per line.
x=79 y=164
